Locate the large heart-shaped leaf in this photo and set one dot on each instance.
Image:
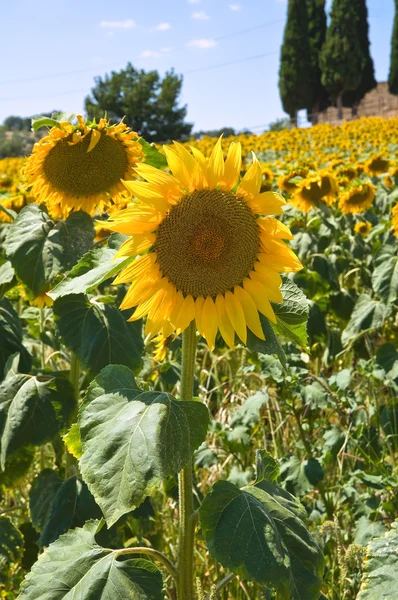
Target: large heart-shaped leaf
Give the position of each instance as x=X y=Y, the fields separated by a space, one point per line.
x=367 y=314
x=32 y=411
x=57 y=505
x=11 y=338
x=40 y=248
x=292 y=314
x=98 y=333
x=259 y=533
x=380 y=578
x=76 y=567
x=132 y=439
x=385 y=275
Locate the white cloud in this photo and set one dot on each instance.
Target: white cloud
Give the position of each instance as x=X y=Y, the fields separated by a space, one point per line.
x=235 y=7
x=154 y=53
x=163 y=26
x=125 y=24
x=204 y=43
x=200 y=15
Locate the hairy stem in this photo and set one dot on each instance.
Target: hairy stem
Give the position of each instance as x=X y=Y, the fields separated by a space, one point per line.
x=186 y=522
x=155 y=554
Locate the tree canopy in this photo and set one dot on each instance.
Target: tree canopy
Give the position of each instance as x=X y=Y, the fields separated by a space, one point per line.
x=148 y=103
x=296 y=79
x=393 y=76
x=316 y=38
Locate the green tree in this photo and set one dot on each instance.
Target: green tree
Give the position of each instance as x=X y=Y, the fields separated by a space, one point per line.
x=316 y=37
x=393 y=76
x=341 y=59
x=368 y=81
x=296 y=77
x=148 y=103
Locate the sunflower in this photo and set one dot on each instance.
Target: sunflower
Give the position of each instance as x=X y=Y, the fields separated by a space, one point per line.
x=268 y=178
x=363 y=228
x=313 y=189
x=206 y=253
x=377 y=165
x=82 y=166
x=395 y=219
x=357 y=198
x=287 y=183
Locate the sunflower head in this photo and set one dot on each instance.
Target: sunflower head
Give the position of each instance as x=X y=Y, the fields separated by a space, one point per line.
x=290 y=181
x=210 y=249
x=357 y=198
x=81 y=167
x=377 y=165
x=313 y=189
x=363 y=228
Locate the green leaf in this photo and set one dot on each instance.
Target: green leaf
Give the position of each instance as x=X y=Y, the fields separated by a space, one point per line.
x=95 y=267
x=11 y=543
x=367 y=314
x=366 y=529
x=258 y=533
x=7 y=275
x=7 y=211
x=267 y=467
x=152 y=156
x=11 y=338
x=98 y=333
x=73 y=442
x=75 y=566
x=39 y=248
x=380 y=577
x=133 y=439
x=292 y=314
x=249 y=413
x=271 y=343
x=57 y=505
x=32 y=411
x=40 y=121
x=385 y=275
x=303 y=474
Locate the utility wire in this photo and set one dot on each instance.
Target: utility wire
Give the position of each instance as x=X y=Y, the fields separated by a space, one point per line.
x=86 y=70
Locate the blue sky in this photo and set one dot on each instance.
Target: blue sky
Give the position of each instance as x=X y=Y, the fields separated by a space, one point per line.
x=227 y=50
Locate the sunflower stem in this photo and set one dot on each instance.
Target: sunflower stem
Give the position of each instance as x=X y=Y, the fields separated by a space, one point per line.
x=186 y=522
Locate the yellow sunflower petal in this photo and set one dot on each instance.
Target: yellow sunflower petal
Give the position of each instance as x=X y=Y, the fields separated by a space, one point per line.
x=148 y=193
x=226 y=329
x=275 y=228
x=183 y=166
x=250 y=310
x=251 y=183
x=267 y=203
x=267 y=279
x=199 y=302
x=216 y=165
x=136 y=245
x=209 y=322
x=232 y=168
x=259 y=295
x=236 y=315
x=95 y=138
x=186 y=314
x=139 y=267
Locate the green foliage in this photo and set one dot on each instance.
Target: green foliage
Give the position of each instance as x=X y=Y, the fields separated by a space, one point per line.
x=380 y=578
x=40 y=249
x=296 y=77
x=393 y=73
x=156 y=438
x=98 y=333
x=89 y=572
x=11 y=338
x=147 y=102
x=259 y=532
x=341 y=59
x=32 y=411
x=367 y=314
x=11 y=543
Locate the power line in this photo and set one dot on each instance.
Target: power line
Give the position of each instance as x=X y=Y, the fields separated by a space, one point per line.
x=208 y=68
x=86 y=70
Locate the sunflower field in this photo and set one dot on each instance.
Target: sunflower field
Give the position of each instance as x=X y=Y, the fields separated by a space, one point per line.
x=199 y=365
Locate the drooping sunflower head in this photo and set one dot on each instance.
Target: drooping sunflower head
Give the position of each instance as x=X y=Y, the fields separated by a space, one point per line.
x=290 y=181
x=211 y=251
x=314 y=189
x=81 y=167
x=357 y=198
x=377 y=165
x=363 y=228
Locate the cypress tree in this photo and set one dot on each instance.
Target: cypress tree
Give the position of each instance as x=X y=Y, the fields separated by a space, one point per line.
x=316 y=37
x=295 y=73
x=368 y=81
x=341 y=58
x=393 y=76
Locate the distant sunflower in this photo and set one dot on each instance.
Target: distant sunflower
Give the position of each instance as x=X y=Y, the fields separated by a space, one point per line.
x=377 y=165
x=207 y=254
x=357 y=199
x=268 y=178
x=313 y=189
x=363 y=228
x=289 y=182
x=82 y=166
x=395 y=219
